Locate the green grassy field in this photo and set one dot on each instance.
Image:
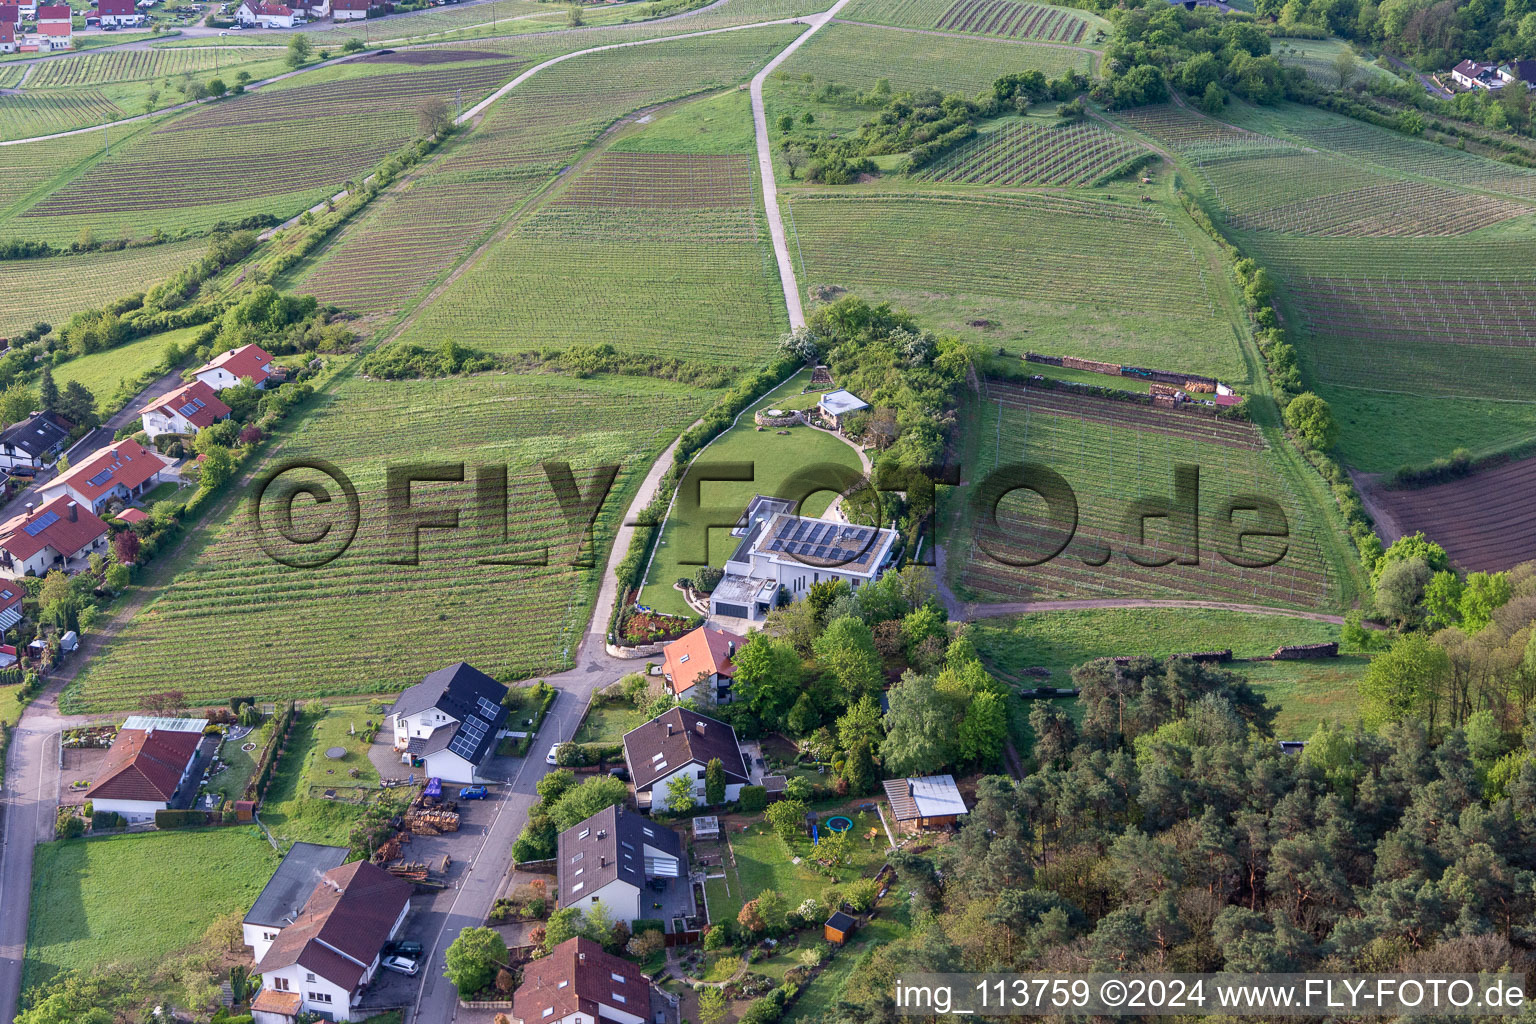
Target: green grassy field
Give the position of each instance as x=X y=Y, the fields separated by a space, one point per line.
x=858 y=55
x=775 y=457
x=294 y=811
x=1082 y=284
x=1114 y=455
x=53 y=289
x=607 y=723
x=1059 y=641
x=229 y=600
x=410 y=238
x=103 y=372
x=92 y=897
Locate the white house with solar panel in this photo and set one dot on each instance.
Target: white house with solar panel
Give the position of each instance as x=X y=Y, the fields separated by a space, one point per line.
x=782 y=550
x=449 y=722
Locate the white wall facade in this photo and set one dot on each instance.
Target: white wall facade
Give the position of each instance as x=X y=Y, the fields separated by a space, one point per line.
x=259 y=937
x=420 y=725
x=694 y=772
x=133 y=810
x=621 y=899
x=449 y=767
x=318 y=995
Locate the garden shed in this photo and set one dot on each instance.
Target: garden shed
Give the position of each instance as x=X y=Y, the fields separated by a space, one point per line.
x=838 y=927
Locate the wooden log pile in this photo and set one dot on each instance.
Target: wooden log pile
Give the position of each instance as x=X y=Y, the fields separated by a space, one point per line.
x=432 y=822
x=411 y=871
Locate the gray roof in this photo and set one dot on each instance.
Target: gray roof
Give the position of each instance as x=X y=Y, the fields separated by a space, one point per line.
x=840 y=402
x=292 y=883
x=466 y=694
x=826 y=544
x=37 y=434
x=677 y=737
x=609 y=846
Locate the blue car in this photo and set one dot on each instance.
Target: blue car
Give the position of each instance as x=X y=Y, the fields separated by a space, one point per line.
x=474 y=793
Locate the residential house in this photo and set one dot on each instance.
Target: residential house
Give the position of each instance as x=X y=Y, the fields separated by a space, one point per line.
x=121 y=13
x=188 y=409
x=701 y=656
x=1492 y=76
x=227 y=370
x=55 y=27
x=578 y=983
x=309 y=10
x=122 y=471
x=264 y=15
x=789 y=553
x=680 y=744
x=10 y=14
x=834 y=405
x=350 y=10
x=148 y=766
x=624 y=863
x=34 y=441
x=450 y=720
x=8 y=42
x=11 y=595
x=282 y=899
x=322 y=962
x=931 y=802
x=50 y=537
x=28 y=8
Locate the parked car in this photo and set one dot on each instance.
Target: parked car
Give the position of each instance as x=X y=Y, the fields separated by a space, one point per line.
x=474 y=793
x=408 y=948
x=400 y=965
x=620 y=773
x=553 y=757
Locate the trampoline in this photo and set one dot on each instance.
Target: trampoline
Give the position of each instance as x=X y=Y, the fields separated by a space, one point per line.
x=839 y=824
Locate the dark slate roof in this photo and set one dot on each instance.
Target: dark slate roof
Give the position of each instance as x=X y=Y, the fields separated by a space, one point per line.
x=37 y=434
x=458 y=691
x=303 y=867
x=681 y=736
x=841 y=922
x=608 y=846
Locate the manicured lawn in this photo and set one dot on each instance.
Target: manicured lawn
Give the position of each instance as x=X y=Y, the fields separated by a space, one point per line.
x=230 y=783
x=764 y=862
x=775 y=459
x=10 y=706
x=130 y=901
x=335 y=729
x=164 y=492
x=608 y=723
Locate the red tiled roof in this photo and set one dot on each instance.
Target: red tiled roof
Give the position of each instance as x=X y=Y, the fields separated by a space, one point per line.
x=7 y=32
x=115 y=7
x=284 y=1004
x=145 y=765
x=128 y=462
x=588 y=975
x=54 y=12
x=64 y=535
x=343 y=925
x=270 y=11
x=248 y=360
x=133 y=515
x=52 y=29
x=351 y=5
x=704 y=650
x=10 y=14
x=210 y=412
x=10 y=595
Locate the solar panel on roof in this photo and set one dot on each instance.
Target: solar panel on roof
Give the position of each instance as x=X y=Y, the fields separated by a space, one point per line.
x=486 y=708
x=42 y=523
x=101 y=478
x=188 y=409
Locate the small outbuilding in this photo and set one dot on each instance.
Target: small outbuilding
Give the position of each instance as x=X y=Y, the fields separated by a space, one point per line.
x=838 y=928
x=706 y=827
x=834 y=405
x=931 y=802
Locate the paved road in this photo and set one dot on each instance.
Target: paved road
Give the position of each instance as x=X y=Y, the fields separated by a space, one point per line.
x=765 y=168
x=1428 y=83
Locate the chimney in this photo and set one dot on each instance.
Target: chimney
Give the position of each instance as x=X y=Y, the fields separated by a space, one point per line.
x=602 y=860
x=669 y=724
x=74 y=512
x=698 y=727
x=730 y=650
x=29 y=508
